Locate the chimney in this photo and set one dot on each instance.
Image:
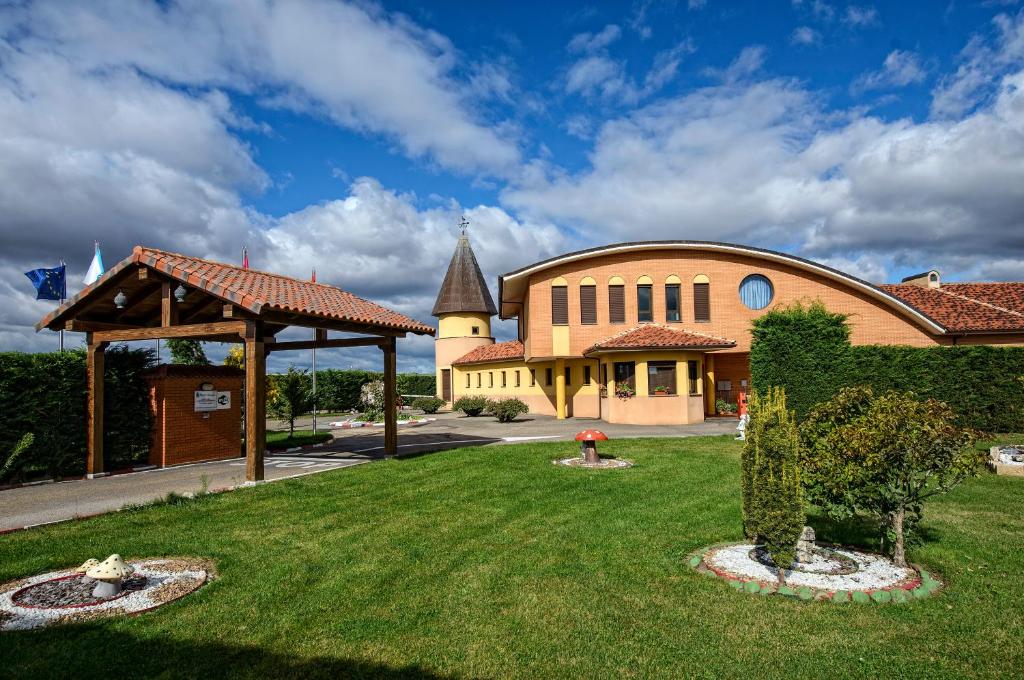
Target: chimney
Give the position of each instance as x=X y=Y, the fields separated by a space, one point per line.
x=928 y=279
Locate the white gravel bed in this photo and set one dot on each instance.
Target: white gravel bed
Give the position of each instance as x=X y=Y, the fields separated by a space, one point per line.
x=24 y=618
x=605 y=464
x=1005 y=459
x=874 y=573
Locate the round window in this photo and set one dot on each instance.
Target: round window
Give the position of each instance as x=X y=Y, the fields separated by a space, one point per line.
x=756 y=291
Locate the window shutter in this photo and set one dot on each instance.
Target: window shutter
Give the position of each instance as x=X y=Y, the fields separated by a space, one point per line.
x=617 y=304
x=559 y=305
x=588 y=304
x=702 y=302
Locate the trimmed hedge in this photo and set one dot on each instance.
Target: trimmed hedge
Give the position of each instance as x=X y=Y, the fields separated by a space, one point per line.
x=339 y=390
x=807 y=351
x=46 y=394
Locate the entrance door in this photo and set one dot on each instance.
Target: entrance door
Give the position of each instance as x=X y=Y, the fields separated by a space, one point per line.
x=446 y=384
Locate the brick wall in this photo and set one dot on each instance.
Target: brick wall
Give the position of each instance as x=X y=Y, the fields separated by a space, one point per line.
x=871 y=321
x=180 y=434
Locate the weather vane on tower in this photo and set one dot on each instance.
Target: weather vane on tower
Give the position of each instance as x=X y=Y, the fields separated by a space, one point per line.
x=464 y=225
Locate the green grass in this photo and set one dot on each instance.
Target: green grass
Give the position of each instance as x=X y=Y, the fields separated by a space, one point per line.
x=492 y=562
x=280 y=438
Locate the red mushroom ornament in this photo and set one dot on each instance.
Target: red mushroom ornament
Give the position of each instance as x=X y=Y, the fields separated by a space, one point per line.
x=588 y=445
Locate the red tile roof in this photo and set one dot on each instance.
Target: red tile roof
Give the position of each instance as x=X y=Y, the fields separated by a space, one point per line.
x=968 y=307
x=499 y=351
x=656 y=336
x=257 y=291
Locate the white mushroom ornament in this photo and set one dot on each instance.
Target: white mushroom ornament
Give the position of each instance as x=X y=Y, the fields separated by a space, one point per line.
x=108 y=574
x=86 y=566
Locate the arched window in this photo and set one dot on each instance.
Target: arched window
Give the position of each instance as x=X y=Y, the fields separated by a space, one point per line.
x=672 y=298
x=559 y=302
x=616 y=300
x=756 y=291
x=644 y=299
x=588 y=301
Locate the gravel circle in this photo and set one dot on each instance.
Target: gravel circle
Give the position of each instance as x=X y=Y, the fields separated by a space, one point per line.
x=828 y=577
x=63 y=597
x=603 y=464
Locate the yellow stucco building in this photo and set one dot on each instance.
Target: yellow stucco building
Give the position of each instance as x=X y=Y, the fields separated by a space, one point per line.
x=659 y=332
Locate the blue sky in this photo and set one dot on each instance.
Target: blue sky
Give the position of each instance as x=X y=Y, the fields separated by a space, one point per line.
x=879 y=138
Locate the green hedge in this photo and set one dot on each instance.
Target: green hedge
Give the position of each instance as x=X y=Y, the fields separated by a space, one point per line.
x=45 y=394
x=338 y=390
x=807 y=351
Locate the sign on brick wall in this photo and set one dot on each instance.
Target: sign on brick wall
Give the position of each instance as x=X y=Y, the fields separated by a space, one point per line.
x=206 y=400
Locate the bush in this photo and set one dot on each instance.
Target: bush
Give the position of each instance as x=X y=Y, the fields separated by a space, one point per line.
x=371 y=401
x=884 y=455
x=722 y=406
x=506 y=410
x=416 y=383
x=772 y=508
x=471 y=406
x=46 y=394
x=807 y=351
x=428 y=404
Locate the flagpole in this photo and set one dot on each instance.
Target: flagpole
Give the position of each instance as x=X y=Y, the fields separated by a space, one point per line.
x=63 y=296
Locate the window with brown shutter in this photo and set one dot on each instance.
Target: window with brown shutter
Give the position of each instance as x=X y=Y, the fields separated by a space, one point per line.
x=559 y=305
x=617 y=304
x=702 y=302
x=588 y=305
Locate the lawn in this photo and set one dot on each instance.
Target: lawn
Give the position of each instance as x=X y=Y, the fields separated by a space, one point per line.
x=492 y=562
x=280 y=439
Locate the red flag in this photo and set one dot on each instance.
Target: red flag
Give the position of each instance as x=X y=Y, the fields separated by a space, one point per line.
x=314 y=275
x=245 y=257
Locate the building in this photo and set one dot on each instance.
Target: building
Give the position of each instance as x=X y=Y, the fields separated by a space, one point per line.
x=657 y=332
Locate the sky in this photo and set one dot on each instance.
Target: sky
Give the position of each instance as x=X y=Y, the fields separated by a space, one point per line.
x=879 y=138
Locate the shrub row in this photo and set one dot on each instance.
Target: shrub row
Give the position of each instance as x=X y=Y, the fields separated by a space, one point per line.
x=339 y=390
x=807 y=351
x=45 y=394
x=505 y=410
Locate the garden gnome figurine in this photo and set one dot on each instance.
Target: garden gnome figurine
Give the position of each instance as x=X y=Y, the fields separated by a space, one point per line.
x=805 y=545
x=742 y=427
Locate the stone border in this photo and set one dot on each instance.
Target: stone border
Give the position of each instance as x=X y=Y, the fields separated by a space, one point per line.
x=924 y=585
x=1001 y=468
x=178 y=577
x=353 y=424
x=605 y=464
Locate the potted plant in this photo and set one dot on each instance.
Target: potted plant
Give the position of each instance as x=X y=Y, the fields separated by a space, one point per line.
x=624 y=391
x=661 y=390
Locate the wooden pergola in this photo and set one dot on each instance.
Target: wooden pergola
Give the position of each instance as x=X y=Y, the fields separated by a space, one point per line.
x=156 y=295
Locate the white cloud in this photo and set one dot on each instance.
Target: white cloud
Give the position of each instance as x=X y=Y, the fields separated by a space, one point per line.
x=982 y=64
x=598 y=76
x=860 y=16
x=696 y=4
x=901 y=68
x=289 y=54
x=591 y=42
x=748 y=62
x=805 y=35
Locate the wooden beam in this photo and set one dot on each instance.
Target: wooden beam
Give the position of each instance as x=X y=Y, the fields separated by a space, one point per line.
x=199 y=310
x=255 y=406
x=326 y=344
x=94 y=370
x=390 y=398
x=80 y=326
x=168 y=306
x=198 y=330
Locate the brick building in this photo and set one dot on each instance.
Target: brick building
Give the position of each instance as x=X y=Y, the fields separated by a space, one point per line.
x=657 y=332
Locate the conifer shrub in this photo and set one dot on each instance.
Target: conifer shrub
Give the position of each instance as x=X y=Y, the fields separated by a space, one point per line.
x=772 y=508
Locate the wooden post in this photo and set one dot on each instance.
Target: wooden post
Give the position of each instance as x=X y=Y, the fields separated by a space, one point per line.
x=168 y=306
x=390 y=398
x=255 y=402
x=94 y=371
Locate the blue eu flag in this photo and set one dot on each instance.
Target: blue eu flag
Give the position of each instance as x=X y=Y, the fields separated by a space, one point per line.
x=50 y=283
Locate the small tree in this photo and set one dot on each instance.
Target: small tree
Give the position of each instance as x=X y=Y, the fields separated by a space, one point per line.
x=884 y=455
x=188 y=352
x=235 y=357
x=371 y=400
x=773 y=511
x=294 y=396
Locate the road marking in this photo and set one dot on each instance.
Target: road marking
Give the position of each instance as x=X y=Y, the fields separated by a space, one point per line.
x=526 y=439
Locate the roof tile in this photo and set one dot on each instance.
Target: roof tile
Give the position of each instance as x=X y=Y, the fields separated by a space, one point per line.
x=511 y=350
x=967 y=307
x=656 y=336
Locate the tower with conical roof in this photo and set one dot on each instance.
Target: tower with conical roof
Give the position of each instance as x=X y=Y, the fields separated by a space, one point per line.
x=464 y=308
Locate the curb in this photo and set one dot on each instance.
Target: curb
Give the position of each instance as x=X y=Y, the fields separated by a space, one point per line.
x=353 y=424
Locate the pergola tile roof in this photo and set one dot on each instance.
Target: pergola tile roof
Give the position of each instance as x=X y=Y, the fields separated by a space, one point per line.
x=657 y=336
x=256 y=291
x=967 y=307
x=511 y=350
